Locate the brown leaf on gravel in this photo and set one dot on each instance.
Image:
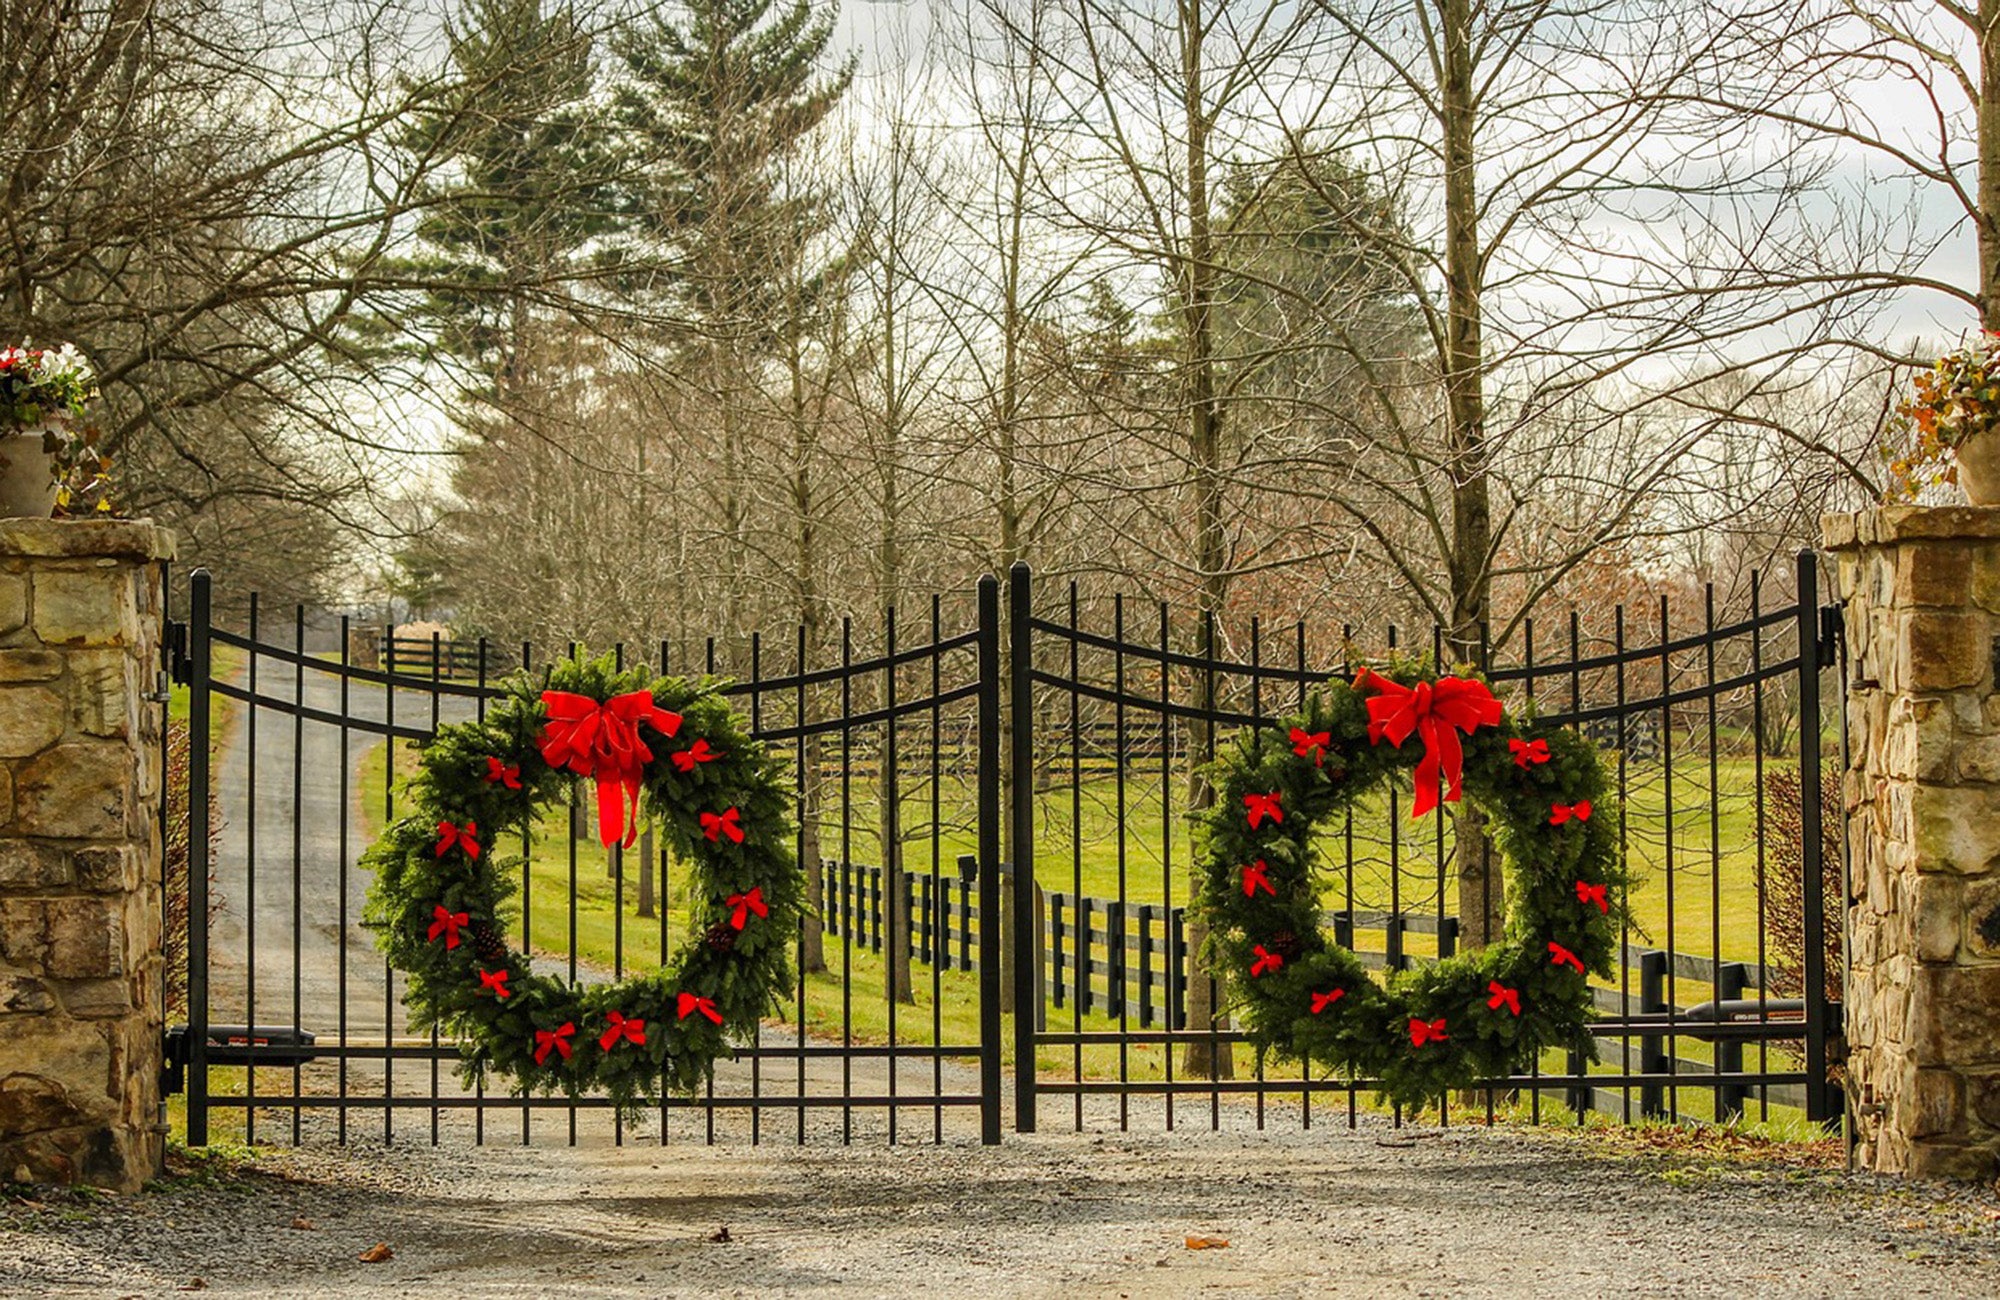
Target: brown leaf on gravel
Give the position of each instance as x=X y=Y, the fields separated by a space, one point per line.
x=303 y=1224
x=721 y=1235
x=379 y=1253
x=193 y=1284
x=1207 y=1243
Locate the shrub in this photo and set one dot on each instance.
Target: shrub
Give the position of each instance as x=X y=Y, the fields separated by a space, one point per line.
x=175 y=865
x=1784 y=878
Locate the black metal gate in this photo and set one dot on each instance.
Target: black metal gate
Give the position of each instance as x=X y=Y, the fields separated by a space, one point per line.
x=909 y=761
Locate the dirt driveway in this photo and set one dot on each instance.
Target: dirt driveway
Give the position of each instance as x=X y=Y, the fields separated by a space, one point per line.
x=1466 y=1211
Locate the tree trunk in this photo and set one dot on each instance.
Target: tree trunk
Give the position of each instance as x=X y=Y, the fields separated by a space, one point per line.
x=1211 y=558
x=1481 y=888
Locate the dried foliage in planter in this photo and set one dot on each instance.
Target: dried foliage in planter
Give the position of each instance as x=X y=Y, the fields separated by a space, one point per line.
x=1784 y=878
x=175 y=865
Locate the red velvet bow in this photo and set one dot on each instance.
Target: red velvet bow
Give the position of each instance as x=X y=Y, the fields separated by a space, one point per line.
x=1321 y=1001
x=547 y=1040
x=1311 y=744
x=1261 y=806
x=462 y=836
x=746 y=904
x=1427 y=1031
x=448 y=924
x=1436 y=712
x=1593 y=894
x=495 y=982
x=699 y=752
x=617 y=1027
x=600 y=739
x=1254 y=879
x=689 y=1004
x=728 y=823
x=1266 y=961
x=1526 y=752
x=507 y=774
x=1562 y=812
x=1503 y=997
x=1561 y=956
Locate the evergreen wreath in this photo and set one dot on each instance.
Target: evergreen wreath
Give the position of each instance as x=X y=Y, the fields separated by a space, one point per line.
x=1436 y=1028
x=441 y=877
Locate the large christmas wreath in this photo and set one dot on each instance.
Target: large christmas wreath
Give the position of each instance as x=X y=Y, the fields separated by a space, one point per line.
x=1438 y=1027
x=443 y=872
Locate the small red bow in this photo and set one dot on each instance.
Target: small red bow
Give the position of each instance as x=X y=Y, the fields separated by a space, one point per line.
x=1593 y=894
x=1561 y=956
x=699 y=752
x=447 y=924
x=462 y=836
x=1264 y=805
x=746 y=904
x=600 y=739
x=507 y=774
x=1427 y=1031
x=632 y=1031
x=495 y=982
x=1503 y=997
x=689 y=1004
x=1562 y=812
x=1254 y=879
x=729 y=823
x=1526 y=752
x=1311 y=744
x=556 y=1039
x=1436 y=712
x=1321 y=1001
x=1266 y=961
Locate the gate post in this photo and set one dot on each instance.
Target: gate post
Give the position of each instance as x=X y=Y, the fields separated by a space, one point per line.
x=1027 y=930
x=81 y=900
x=1921 y=594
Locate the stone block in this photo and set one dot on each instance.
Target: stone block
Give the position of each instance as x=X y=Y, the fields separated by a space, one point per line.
x=13 y=602
x=1955 y=1016
x=1979 y=759
x=86 y=938
x=1983 y=1097
x=1955 y=829
x=106 y=868
x=1922 y=740
x=31 y=719
x=27 y=866
x=29 y=666
x=1933 y=574
x=24 y=994
x=24 y=931
x=89 y=999
x=1932 y=1104
x=84 y=607
x=1936 y=650
x=76 y=790
x=100 y=698
x=1937 y=915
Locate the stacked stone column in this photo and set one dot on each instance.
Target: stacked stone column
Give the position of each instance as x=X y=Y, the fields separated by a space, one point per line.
x=80 y=857
x=1921 y=594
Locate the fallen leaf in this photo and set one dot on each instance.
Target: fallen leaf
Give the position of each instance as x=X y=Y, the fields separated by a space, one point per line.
x=303 y=1225
x=720 y=1235
x=1207 y=1243
x=193 y=1284
x=379 y=1253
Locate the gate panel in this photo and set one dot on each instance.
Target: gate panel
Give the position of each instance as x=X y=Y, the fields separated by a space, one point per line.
x=1117 y=705
x=305 y=731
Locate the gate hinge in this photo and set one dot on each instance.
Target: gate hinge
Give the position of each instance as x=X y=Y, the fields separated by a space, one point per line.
x=180 y=664
x=1832 y=634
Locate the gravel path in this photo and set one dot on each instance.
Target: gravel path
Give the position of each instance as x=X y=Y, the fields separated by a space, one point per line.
x=1465 y=1211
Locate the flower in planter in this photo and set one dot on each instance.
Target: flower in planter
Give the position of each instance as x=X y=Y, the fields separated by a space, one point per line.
x=41 y=387
x=1955 y=400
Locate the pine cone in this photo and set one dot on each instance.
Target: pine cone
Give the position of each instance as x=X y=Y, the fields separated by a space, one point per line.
x=488 y=943
x=1285 y=944
x=721 y=937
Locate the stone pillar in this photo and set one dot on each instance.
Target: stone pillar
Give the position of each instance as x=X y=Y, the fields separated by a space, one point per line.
x=81 y=993
x=1921 y=590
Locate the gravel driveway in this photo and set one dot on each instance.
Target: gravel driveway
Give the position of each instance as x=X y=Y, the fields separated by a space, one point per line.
x=1464 y=1211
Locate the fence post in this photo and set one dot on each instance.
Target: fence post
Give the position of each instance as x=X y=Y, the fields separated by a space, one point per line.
x=1652 y=1047
x=989 y=862
x=1028 y=1009
x=1145 y=965
x=1176 y=970
x=1731 y=978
